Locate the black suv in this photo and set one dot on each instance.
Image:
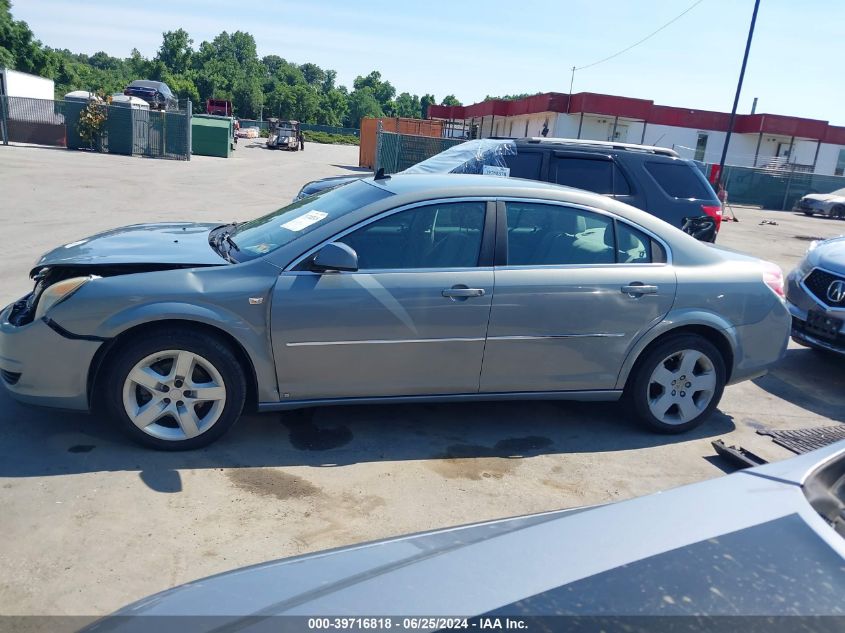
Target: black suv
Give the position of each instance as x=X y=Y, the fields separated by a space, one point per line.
x=654 y=179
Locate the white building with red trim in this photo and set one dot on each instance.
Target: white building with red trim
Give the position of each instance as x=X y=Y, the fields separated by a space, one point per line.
x=758 y=140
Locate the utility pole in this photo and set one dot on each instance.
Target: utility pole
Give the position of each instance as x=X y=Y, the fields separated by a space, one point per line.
x=720 y=179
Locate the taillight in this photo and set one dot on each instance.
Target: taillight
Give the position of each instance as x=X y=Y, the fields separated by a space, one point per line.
x=715 y=212
x=773 y=278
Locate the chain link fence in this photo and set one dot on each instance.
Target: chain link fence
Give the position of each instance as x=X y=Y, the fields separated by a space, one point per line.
x=130 y=131
x=776 y=188
x=395 y=152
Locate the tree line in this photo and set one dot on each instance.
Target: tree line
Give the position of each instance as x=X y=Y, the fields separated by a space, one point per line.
x=228 y=67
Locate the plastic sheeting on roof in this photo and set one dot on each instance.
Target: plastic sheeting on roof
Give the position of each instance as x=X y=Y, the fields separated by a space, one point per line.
x=467 y=158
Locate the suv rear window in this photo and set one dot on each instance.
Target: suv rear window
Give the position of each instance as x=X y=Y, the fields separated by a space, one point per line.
x=679 y=180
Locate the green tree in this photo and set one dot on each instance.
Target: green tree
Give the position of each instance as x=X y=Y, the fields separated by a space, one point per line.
x=425 y=101
x=450 y=100
x=382 y=91
x=362 y=103
x=176 y=52
x=408 y=105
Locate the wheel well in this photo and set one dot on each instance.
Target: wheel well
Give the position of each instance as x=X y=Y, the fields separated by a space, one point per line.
x=105 y=352
x=712 y=335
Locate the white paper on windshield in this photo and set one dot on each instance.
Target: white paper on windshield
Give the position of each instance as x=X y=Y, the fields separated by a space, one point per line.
x=304 y=221
x=495 y=170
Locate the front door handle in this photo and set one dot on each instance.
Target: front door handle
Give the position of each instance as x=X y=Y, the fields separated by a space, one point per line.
x=462 y=292
x=637 y=289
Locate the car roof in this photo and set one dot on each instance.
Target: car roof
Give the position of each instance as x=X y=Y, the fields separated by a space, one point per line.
x=410 y=188
x=146 y=83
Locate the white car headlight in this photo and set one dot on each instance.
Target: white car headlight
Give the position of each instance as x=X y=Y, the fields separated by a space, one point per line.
x=58 y=292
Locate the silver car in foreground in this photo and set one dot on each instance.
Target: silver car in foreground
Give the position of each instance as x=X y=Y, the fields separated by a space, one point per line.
x=816 y=297
x=403 y=289
x=758 y=550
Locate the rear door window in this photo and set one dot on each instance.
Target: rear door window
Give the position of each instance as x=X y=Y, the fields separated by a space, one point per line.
x=679 y=180
x=599 y=175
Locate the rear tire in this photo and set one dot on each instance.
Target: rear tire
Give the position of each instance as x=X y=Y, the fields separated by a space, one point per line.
x=173 y=391
x=677 y=384
x=838 y=212
x=808 y=213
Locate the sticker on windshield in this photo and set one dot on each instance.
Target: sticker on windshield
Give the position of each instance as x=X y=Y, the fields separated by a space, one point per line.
x=304 y=221
x=495 y=170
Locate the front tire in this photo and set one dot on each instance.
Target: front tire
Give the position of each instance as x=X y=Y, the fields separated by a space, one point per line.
x=175 y=390
x=677 y=384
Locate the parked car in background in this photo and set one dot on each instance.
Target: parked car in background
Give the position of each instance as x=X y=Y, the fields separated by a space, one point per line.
x=760 y=545
x=830 y=204
x=816 y=296
x=424 y=287
x=156 y=93
x=654 y=179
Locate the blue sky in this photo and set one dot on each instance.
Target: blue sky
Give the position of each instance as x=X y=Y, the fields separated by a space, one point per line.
x=474 y=48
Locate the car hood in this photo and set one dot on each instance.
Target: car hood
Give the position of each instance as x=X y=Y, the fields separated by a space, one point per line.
x=748 y=517
x=168 y=243
x=824 y=197
x=830 y=254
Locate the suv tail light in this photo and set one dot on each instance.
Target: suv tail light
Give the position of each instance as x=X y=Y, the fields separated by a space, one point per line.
x=773 y=278
x=715 y=212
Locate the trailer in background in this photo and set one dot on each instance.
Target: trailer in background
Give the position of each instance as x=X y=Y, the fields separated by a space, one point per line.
x=18 y=84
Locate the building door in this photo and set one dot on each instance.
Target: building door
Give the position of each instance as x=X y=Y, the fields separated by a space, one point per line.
x=700 y=147
x=618 y=132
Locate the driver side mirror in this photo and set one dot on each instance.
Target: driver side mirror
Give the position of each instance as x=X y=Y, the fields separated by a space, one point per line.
x=335 y=257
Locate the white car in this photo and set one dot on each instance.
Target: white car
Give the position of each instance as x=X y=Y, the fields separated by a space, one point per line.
x=830 y=204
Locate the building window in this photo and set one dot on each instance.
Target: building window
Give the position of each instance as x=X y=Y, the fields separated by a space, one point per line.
x=840 y=164
x=700 y=147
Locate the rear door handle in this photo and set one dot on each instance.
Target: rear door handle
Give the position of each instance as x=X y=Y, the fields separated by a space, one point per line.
x=463 y=292
x=637 y=289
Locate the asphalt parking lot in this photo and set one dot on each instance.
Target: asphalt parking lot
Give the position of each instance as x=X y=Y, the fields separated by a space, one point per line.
x=91 y=522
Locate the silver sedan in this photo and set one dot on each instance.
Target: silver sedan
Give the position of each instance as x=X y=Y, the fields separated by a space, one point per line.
x=403 y=289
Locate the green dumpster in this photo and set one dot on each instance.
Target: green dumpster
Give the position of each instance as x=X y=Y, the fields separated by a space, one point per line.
x=211 y=136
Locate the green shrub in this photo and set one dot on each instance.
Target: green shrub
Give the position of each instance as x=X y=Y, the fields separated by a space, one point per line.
x=312 y=136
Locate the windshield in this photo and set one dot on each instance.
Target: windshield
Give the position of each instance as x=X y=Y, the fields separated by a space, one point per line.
x=265 y=234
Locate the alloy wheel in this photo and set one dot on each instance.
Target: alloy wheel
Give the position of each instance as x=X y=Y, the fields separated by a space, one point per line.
x=681 y=387
x=174 y=395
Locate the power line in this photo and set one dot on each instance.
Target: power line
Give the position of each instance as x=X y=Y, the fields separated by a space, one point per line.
x=647 y=37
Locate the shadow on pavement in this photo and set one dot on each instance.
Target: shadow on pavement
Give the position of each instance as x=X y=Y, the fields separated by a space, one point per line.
x=809 y=379
x=43 y=442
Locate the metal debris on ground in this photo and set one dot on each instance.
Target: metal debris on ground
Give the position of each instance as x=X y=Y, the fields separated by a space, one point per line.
x=738 y=456
x=772 y=222
x=806 y=440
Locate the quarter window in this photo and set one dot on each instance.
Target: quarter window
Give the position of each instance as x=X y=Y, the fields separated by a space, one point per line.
x=437 y=236
x=680 y=180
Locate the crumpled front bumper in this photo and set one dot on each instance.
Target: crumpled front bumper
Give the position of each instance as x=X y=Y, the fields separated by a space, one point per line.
x=45 y=365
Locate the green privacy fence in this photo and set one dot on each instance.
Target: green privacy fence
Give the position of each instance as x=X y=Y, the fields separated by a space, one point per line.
x=127 y=131
x=776 y=188
x=313 y=127
x=395 y=152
